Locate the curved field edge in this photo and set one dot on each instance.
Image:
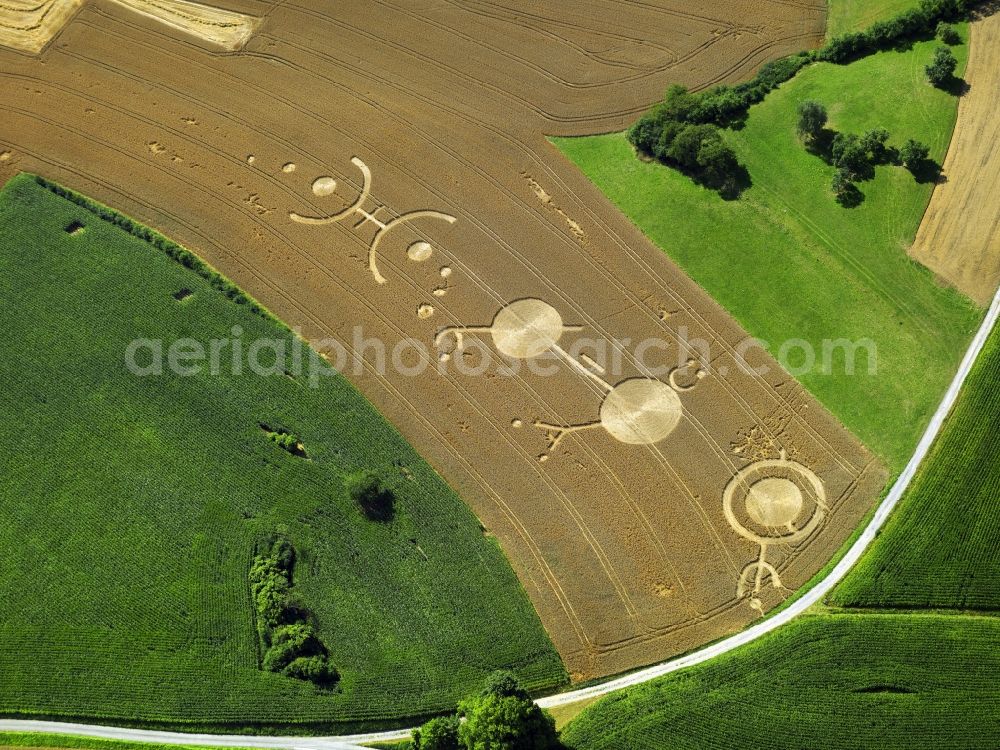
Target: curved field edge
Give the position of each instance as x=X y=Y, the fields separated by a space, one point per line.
x=903 y=678
x=791 y=265
x=132 y=506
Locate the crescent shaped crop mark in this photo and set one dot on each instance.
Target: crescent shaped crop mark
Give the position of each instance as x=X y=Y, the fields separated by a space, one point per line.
x=366 y=186
x=372 y=265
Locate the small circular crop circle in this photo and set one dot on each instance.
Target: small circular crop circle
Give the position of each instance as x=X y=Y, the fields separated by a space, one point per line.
x=774 y=500
x=323 y=186
x=419 y=251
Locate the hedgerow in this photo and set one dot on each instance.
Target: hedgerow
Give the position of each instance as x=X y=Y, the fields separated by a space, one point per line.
x=722 y=106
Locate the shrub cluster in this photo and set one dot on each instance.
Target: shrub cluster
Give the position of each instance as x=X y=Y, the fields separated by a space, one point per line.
x=285 y=440
x=913 y=154
x=941 y=70
x=812 y=120
x=856 y=156
x=948 y=34
x=501 y=717
x=174 y=251
x=672 y=132
x=290 y=643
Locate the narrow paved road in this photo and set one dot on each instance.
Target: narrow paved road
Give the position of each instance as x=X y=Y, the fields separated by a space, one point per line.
x=811 y=597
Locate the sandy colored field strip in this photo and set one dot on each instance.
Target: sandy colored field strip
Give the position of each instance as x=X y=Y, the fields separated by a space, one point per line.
x=382 y=164
x=29 y=25
x=223 y=28
x=959 y=238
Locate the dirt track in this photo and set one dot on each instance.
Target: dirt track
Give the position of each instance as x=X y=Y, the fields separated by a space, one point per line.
x=959 y=238
x=624 y=546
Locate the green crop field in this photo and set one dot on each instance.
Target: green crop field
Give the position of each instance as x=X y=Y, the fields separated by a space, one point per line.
x=132 y=506
x=941 y=550
x=855 y=15
x=790 y=263
x=842 y=682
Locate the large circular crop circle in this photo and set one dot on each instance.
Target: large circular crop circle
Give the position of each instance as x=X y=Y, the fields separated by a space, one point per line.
x=774 y=501
x=526 y=328
x=419 y=251
x=641 y=411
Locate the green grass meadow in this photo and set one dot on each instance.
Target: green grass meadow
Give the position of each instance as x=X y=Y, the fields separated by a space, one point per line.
x=845 y=16
x=131 y=507
x=790 y=263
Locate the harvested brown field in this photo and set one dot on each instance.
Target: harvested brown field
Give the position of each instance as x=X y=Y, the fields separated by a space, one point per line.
x=383 y=164
x=959 y=238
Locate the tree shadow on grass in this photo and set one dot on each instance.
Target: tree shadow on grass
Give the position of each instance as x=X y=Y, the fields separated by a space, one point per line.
x=376 y=501
x=739 y=181
x=927 y=171
x=851 y=197
x=955 y=86
x=822 y=145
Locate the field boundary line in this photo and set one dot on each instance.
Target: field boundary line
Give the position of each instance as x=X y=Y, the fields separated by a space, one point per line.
x=799 y=606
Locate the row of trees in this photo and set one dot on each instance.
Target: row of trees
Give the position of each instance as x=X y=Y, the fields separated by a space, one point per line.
x=289 y=642
x=501 y=717
x=922 y=21
x=855 y=156
x=723 y=105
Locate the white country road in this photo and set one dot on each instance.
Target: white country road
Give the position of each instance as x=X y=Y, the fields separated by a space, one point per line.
x=811 y=597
